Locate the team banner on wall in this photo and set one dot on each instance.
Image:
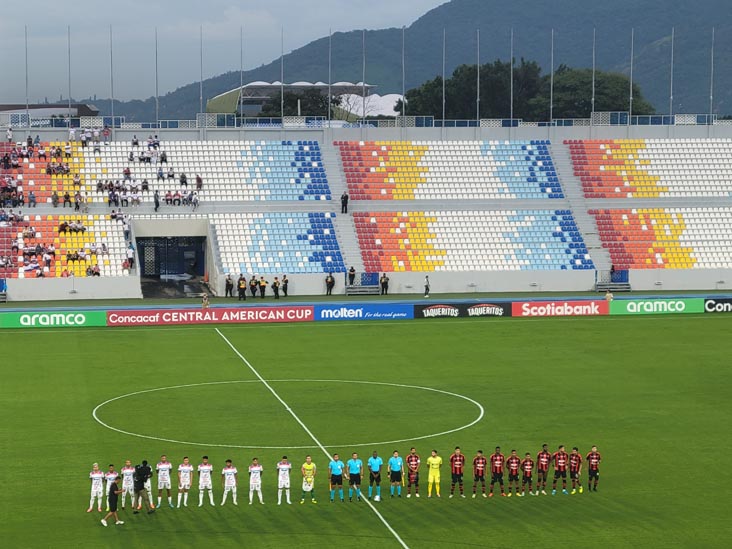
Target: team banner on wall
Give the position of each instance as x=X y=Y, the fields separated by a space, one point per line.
x=362 y=311
x=656 y=306
x=242 y=315
x=593 y=307
x=462 y=310
x=53 y=319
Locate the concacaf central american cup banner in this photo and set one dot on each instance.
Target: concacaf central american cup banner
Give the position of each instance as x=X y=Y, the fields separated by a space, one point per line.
x=242 y=315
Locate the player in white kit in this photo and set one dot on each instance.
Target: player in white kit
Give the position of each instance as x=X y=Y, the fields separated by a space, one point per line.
x=163 y=469
x=109 y=477
x=283 y=479
x=204 y=481
x=255 y=480
x=97 y=488
x=230 y=481
x=128 y=483
x=185 y=478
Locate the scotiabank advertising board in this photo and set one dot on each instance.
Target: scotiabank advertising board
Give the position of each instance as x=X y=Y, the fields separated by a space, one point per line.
x=595 y=307
x=241 y=315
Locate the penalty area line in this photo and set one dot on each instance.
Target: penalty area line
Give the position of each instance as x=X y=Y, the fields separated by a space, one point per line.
x=306 y=429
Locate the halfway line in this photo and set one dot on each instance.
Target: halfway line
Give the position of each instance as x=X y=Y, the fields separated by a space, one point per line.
x=308 y=431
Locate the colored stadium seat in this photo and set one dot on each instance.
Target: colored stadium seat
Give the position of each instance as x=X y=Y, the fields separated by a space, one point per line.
x=471 y=241
x=407 y=170
x=278 y=243
x=231 y=170
x=671 y=238
x=653 y=168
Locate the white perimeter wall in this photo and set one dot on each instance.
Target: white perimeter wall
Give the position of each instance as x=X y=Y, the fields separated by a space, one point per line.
x=47 y=289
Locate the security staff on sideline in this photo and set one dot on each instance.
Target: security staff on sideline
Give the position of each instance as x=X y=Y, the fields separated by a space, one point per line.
x=262 y=286
x=276 y=288
x=285 y=282
x=329 y=284
x=241 y=286
x=384 y=281
x=253 y=286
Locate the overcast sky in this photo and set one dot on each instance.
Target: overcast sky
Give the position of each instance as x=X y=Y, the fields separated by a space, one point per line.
x=178 y=23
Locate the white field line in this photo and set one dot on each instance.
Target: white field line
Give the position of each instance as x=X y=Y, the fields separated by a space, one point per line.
x=308 y=431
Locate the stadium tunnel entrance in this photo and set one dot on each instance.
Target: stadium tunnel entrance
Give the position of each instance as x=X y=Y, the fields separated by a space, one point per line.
x=172 y=256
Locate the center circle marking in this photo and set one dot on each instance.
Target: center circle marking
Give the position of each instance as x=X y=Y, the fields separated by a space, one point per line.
x=481 y=413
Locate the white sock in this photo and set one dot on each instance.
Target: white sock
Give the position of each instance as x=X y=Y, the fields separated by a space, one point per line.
x=226 y=494
x=251 y=495
x=200 y=497
x=159 y=500
x=233 y=495
x=210 y=496
x=185 y=498
x=149 y=496
x=100 y=502
x=287 y=493
x=170 y=500
x=260 y=496
x=179 y=498
x=279 y=496
x=91 y=502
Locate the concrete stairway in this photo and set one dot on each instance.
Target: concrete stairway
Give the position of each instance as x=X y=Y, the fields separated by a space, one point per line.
x=572 y=187
x=346 y=233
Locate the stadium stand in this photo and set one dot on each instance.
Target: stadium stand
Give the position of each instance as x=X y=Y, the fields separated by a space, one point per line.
x=653 y=168
x=32 y=173
x=471 y=241
x=408 y=170
x=277 y=242
x=26 y=242
x=667 y=238
x=230 y=170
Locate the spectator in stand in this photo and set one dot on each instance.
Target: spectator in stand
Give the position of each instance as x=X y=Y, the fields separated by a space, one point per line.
x=168 y=198
x=183 y=180
x=135 y=141
x=106 y=133
x=77 y=180
x=195 y=201
x=67 y=199
x=127 y=173
x=351 y=275
x=37 y=141
x=161 y=175
x=199 y=182
x=9 y=134
x=72 y=134
x=126 y=229
x=131 y=157
x=67 y=150
x=32 y=199
x=145 y=186
x=96 y=271
x=171 y=174
x=163 y=157
x=54 y=199
x=156 y=200
x=77 y=201
x=41 y=152
x=131 y=255
x=344 y=202
x=83 y=138
x=176 y=198
x=125 y=264
x=89 y=271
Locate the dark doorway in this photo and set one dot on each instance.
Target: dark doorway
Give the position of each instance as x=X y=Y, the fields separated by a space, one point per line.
x=173 y=255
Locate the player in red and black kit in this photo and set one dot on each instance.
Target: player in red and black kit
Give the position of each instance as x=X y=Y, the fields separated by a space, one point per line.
x=575 y=468
x=543 y=460
x=527 y=466
x=561 y=461
x=480 y=463
x=514 y=466
x=413 y=463
x=457 y=465
x=593 y=468
x=497 y=460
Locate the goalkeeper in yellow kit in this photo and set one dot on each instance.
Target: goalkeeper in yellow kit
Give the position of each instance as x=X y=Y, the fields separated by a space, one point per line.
x=308 y=479
x=434 y=462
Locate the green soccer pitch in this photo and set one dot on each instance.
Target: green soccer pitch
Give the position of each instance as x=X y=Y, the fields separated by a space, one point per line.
x=653 y=393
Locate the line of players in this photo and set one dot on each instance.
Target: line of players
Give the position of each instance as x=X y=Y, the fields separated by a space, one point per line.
x=562 y=462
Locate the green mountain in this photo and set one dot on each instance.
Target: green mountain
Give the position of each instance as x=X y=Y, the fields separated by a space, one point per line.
x=532 y=21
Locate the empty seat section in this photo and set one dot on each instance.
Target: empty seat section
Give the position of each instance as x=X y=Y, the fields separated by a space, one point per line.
x=507 y=240
x=653 y=168
x=667 y=238
x=442 y=170
x=277 y=243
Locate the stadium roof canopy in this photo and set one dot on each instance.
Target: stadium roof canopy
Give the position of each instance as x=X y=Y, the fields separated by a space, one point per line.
x=258 y=93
